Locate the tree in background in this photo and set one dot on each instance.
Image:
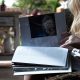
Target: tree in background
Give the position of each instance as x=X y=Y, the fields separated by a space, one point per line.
x=30 y=5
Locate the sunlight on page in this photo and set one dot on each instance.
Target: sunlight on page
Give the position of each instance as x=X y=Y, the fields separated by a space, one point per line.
x=54 y=56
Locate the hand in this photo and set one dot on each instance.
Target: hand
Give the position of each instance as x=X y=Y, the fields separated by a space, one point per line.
x=65 y=36
x=68 y=46
x=65 y=43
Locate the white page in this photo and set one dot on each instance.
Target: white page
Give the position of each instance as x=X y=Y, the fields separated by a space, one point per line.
x=41 y=55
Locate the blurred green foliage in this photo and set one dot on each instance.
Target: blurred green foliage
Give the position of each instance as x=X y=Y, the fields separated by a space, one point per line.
x=45 y=5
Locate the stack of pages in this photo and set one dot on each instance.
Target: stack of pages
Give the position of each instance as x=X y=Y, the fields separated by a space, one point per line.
x=40 y=60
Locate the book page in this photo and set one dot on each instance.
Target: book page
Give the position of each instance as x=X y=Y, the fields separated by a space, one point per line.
x=54 y=56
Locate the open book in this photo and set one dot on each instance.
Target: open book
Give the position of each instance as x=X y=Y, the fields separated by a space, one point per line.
x=40 y=60
x=42 y=30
